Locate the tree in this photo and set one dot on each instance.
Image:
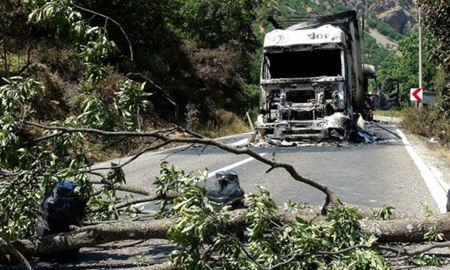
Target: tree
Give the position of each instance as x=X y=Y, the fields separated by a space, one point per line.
x=438 y=15
x=216 y=23
x=403 y=65
x=12 y=24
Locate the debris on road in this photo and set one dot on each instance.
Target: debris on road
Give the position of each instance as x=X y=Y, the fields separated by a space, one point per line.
x=226 y=190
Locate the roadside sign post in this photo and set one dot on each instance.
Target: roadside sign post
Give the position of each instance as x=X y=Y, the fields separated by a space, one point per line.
x=416 y=95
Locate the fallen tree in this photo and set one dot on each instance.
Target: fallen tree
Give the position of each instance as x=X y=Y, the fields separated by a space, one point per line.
x=387 y=231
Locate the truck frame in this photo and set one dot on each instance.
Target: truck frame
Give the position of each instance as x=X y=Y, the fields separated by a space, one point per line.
x=313 y=83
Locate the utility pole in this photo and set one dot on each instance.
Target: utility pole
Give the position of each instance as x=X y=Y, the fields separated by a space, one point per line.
x=420 y=53
x=363 y=29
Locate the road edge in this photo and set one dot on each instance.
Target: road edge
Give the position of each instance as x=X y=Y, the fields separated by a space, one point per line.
x=436 y=186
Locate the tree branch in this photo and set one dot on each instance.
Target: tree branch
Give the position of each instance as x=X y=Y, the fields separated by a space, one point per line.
x=130 y=47
x=407 y=229
x=157 y=87
x=157 y=229
x=141 y=200
x=331 y=197
x=133 y=158
x=13 y=251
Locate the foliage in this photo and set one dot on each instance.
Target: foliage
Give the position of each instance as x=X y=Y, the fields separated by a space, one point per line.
x=375 y=54
x=133 y=99
x=427 y=122
x=425 y=260
x=94 y=46
x=172 y=179
x=438 y=15
x=34 y=166
x=223 y=123
x=389 y=113
x=15 y=97
x=403 y=65
x=308 y=8
x=384 y=213
x=16 y=94
x=205 y=241
x=215 y=23
x=13 y=36
x=34 y=161
x=97 y=114
x=103 y=204
x=383 y=28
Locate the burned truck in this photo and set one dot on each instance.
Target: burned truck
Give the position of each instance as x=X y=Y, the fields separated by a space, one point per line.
x=313 y=83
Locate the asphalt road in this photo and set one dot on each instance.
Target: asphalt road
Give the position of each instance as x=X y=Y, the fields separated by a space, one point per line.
x=373 y=175
x=383 y=173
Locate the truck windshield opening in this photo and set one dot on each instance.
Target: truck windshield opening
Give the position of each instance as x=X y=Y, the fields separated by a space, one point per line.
x=303 y=64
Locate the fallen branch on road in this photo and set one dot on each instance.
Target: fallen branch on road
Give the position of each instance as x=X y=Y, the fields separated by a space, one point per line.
x=390 y=231
x=331 y=198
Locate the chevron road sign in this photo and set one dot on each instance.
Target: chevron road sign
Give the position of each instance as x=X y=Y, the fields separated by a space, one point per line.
x=416 y=94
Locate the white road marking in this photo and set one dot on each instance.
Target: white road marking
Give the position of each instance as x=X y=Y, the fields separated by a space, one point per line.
x=234 y=165
x=437 y=190
x=239 y=143
x=184 y=146
x=213 y=173
x=234 y=136
x=438 y=175
x=126 y=158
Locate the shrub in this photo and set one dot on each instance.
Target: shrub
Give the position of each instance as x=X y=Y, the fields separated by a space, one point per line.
x=427 y=122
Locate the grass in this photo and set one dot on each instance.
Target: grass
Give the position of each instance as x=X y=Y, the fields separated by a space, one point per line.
x=226 y=123
x=389 y=113
x=441 y=152
x=427 y=122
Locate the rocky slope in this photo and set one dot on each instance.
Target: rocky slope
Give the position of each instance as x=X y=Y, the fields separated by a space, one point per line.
x=400 y=14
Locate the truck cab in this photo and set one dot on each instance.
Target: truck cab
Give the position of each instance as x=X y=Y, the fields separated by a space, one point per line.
x=311 y=79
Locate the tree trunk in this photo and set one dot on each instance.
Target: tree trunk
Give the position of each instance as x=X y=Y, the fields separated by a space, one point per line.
x=407 y=229
x=400 y=230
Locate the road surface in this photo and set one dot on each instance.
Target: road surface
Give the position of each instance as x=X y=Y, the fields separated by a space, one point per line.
x=373 y=175
x=384 y=173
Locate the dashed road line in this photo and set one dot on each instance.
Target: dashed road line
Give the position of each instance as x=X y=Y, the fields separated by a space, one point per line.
x=126 y=158
x=234 y=165
x=213 y=173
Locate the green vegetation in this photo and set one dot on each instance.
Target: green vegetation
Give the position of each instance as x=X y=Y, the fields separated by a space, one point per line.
x=87 y=72
x=198 y=51
x=374 y=53
x=383 y=28
x=203 y=53
x=310 y=8
x=427 y=122
x=389 y=113
x=438 y=15
x=403 y=65
x=204 y=238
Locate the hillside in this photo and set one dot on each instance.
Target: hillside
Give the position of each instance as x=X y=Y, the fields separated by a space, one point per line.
x=387 y=21
x=398 y=14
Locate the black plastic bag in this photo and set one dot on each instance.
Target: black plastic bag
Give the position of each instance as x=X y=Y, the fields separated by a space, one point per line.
x=61 y=209
x=227 y=190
